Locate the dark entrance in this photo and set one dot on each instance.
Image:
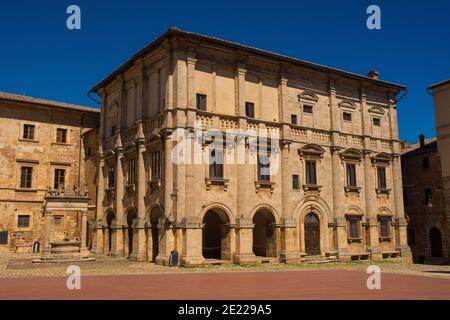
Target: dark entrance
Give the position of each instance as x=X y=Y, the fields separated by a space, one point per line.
x=212 y=240
x=130 y=218
x=312 y=235
x=109 y=220
x=436 y=243
x=264 y=244
x=155 y=215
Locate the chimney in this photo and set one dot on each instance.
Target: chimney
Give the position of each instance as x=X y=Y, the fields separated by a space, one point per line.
x=422 y=140
x=373 y=74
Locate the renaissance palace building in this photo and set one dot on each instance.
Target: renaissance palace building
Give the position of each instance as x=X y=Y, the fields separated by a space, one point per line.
x=329 y=188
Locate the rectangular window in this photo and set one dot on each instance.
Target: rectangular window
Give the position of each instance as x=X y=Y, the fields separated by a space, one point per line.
x=25 y=177
x=295 y=182
x=201 y=102
x=3 y=237
x=354 y=228
x=351 y=175
x=381 y=174
x=131 y=171
x=376 y=122
x=61 y=135
x=216 y=163
x=311 y=174
x=59 y=178
x=263 y=168
x=385 y=227
x=156 y=165
x=111 y=177
x=58 y=222
x=23 y=221
x=28 y=131
x=250 y=109
x=307 y=109
x=428 y=196
x=347 y=116
x=425 y=163
x=294 y=119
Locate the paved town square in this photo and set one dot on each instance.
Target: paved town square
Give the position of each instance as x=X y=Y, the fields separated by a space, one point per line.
x=21 y=279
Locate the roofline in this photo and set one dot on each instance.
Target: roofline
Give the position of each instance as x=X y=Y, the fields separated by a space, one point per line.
x=172 y=31
x=10 y=97
x=439 y=84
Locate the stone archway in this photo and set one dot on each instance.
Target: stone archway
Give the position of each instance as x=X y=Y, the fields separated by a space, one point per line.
x=155 y=215
x=131 y=216
x=216 y=242
x=436 y=243
x=264 y=234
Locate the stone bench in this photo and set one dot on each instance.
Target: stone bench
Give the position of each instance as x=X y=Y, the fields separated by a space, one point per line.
x=360 y=256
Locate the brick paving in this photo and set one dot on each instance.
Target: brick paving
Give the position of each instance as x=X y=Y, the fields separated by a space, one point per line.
x=109 y=278
x=287 y=285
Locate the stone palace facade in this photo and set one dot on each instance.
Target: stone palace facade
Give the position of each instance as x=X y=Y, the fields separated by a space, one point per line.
x=336 y=191
x=44 y=145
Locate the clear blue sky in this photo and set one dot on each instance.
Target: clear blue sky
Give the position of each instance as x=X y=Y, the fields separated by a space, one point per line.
x=40 y=57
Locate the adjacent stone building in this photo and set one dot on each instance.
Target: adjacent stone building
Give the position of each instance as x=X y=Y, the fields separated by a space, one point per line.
x=441 y=93
x=332 y=186
x=43 y=145
x=424 y=201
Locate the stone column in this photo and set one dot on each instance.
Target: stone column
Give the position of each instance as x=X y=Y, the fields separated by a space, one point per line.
x=244 y=243
x=149 y=239
x=47 y=230
x=371 y=207
x=117 y=226
x=192 y=242
x=84 y=230
x=289 y=252
x=166 y=243
x=401 y=224
x=139 y=252
x=98 y=239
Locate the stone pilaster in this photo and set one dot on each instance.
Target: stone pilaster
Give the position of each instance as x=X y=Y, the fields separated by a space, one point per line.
x=117 y=249
x=166 y=243
x=98 y=244
x=289 y=252
x=401 y=224
x=371 y=208
x=244 y=243
x=192 y=242
x=338 y=184
x=139 y=252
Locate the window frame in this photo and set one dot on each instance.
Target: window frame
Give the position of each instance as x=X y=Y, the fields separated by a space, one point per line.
x=27 y=181
x=200 y=98
x=294 y=119
x=385 y=233
x=62 y=135
x=351 y=219
x=311 y=164
x=216 y=170
x=348 y=114
x=295 y=182
x=381 y=179
x=351 y=175
x=56 y=178
x=20 y=219
x=262 y=166
x=308 y=107
x=131 y=171
x=375 y=120
x=251 y=106
x=33 y=131
x=155 y=165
